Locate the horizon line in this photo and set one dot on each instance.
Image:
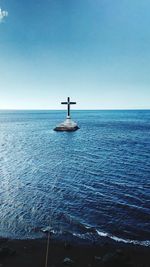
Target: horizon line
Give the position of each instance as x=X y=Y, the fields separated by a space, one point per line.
x=103 y=109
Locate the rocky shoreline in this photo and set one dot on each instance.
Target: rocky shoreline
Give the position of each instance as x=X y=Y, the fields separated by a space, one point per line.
x=27 y=253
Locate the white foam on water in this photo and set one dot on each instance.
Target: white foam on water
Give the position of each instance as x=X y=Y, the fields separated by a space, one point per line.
x=145 y=243
x=82 y=236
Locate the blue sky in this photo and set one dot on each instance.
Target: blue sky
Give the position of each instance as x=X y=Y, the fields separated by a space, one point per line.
x=95 y=51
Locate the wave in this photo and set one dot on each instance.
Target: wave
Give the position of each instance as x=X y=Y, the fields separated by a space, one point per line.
x=145 y=243
x=90 y=232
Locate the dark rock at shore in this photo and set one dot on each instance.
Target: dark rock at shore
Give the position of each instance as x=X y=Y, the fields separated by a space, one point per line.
x=68 y=261
x=116 y=259
x=3 y=240
x=6 y=252
x=67 y=245
x=31 y=253
x=98 y=258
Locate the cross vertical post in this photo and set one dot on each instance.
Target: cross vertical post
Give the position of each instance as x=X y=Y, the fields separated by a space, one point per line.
x=68 y=103
x=68 y=106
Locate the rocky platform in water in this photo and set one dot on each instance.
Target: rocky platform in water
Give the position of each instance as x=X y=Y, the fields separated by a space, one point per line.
x=68 y=125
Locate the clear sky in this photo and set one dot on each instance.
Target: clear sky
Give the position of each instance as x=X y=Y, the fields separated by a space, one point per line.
x=95 y=51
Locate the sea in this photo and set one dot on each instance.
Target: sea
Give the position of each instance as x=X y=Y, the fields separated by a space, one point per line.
x=85 y=185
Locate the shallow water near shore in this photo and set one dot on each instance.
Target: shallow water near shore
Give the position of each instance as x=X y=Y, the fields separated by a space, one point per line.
x=88 y=184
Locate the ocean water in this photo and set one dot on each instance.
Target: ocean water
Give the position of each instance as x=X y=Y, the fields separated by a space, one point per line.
x=87 y=184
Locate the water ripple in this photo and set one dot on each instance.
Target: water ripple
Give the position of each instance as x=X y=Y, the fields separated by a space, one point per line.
x=92 y=183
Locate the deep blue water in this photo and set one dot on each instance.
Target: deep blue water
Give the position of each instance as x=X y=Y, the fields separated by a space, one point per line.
x=90 y=183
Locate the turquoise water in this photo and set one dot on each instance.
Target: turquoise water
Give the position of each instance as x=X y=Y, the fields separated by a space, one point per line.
x=87 y=184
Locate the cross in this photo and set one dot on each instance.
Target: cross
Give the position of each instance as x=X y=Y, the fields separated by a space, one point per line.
x=68 y=103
